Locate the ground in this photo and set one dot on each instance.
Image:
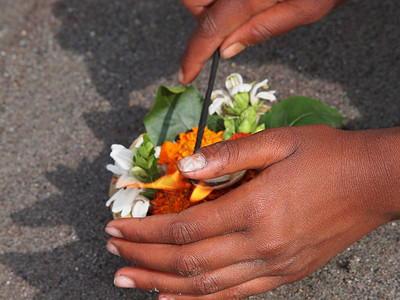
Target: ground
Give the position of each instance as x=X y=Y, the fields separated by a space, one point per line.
x=77 y=76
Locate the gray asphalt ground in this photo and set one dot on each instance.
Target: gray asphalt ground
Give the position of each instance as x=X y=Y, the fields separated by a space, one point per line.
x=77 y=76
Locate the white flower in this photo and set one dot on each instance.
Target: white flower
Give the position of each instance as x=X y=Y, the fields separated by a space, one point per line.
x=219 y=97
x=254 y=97
x=127 y=200
x=123 y=164
x=234 y=84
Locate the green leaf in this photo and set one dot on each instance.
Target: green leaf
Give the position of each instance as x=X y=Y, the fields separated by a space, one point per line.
x=150 y=162
x=259 y=128
x=298 y=111
x=215 y=123
x=175 y=89
x=143 y=152
x=141 y=162
x=175 y=110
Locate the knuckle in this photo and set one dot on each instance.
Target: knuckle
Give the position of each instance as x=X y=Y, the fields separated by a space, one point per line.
x=208 y=26
x=274 y=248
x=284 y=266
x=187 y=264
x=224 y=154
x=262 y=33
x=281 y=142
x=180 y=233
x=230 y=154
x=153 y=283
x=205 y=284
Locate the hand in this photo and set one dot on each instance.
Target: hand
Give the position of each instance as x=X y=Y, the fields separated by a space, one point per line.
x=318 y=190
x=235 y=25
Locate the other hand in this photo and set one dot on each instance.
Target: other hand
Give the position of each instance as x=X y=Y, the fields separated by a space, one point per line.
x=234 y=25
x=318 y=191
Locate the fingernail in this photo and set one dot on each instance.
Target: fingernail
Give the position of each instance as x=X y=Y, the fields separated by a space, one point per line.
x=192 y=163
x=232 y=50
x=181 y=76
x=111 y=248
x=113 y=232
x=123 y=282
x=165 y=298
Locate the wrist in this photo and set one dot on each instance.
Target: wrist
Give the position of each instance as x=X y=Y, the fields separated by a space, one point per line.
x=383 y=159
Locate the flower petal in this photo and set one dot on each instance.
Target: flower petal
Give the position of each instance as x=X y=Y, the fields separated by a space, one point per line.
x=157 y=150
x=253 y=97
x=139 y=141
x=219 y=97
x=140 y=207
x=233 y=80
x=116 y=169
x=123 y=200
x=113 y=198
x=122 y=156
x=241 y=88
x=266 y=95
x=216 y=106
x=125 y=180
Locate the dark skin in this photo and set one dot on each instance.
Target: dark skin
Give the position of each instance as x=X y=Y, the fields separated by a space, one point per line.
x=234 y=25
x=299 y=212
x=318 y=189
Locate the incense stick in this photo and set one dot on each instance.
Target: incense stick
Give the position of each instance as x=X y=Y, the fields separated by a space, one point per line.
x=207 y=100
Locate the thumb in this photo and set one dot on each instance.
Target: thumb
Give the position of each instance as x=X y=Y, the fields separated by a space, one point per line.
x=256 y=151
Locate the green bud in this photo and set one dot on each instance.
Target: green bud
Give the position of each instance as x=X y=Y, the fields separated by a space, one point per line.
x=227 y=135
x=248 y=120
x=230 y=124
x=231 y=111
x=139 y=173
x=135 y=152
x=244 y=126
x=241 y=101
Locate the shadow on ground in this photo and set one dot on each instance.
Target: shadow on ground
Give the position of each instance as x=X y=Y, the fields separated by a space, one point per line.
x=129 y=44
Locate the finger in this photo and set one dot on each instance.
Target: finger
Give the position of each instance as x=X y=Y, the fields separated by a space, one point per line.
x=256 y=151
x=208 y=283
x=220 y=20
x=193 y=224
x=241 y=291
x=188 y=260
x=197 y=8
x=274 y=21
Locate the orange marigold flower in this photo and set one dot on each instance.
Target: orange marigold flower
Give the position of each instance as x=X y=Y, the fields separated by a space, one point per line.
x=167 y=201
x=174 y=201
x=172 y=152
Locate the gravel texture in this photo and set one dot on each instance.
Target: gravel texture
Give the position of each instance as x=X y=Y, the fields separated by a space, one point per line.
x=77 y=76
